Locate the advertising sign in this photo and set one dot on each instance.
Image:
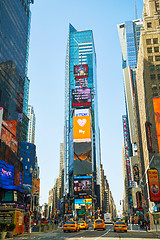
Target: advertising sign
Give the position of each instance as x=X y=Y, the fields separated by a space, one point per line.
x=81 y=97
x=82 y=185
x=82 y=158
x=154 y=189
x=1 y=117
x=8 y=134
x=81 y=82
x=83 y=203
x=81 y=112
x=7 y=176
x=149 y=136
x=36 y=186
x=81 y=70
x=82 y=129
x=156 y=105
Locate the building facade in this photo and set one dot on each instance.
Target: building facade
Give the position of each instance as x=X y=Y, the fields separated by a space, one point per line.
x=31 y=126
x=81 y=153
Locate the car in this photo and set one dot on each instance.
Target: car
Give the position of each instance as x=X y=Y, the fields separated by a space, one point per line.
x=82 y=224
x=120 y=226
x=99 y=224
x=71 y=226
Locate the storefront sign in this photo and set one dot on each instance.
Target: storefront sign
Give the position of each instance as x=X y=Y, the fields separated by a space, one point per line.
x=153 y=180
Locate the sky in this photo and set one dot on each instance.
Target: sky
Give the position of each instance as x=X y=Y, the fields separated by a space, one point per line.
x=48 y=41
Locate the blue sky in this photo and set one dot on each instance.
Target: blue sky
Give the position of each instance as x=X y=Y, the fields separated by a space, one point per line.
x=49 y=32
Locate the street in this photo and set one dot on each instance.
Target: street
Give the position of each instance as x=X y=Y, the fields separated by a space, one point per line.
x=90 y=234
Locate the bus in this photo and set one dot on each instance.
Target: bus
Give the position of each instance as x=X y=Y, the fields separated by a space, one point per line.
x=107 y=218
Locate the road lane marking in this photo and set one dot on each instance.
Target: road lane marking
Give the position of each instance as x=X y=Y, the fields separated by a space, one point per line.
x=103 y=235
x=78 y=234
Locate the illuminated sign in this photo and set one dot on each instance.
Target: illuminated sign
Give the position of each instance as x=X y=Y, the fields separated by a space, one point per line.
x=1 y=117
x=149 y=136
x=81 y=82
x=82 y=129
x=81 y=112
x=81 y=70
x=7 y=176
x=82 y=185
x=36 y=186
x=156 y=104
x=80 y=97
x=83 y=203
x=154 y=189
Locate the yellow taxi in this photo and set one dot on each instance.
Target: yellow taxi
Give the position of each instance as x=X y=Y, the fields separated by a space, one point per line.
x=120 y=226
x=99 y=224
x=71 y=226
x=82 y=224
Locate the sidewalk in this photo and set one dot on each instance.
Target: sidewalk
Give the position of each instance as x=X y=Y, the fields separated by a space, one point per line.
x=155 y=233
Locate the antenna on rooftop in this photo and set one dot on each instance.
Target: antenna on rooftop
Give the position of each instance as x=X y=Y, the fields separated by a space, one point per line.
x=136 y=12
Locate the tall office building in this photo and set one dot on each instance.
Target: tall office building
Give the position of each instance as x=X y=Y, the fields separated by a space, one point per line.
x=148 y=97
x=14 y=44
x=31 y=126
x=81 y=138
x=129 y=35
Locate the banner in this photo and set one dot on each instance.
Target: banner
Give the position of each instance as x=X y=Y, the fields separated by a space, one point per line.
x=82 y=129
x=153 y=180
x=36 y=186
x=156 y=105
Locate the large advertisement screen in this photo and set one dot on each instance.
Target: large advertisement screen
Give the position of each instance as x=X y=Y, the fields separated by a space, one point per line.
x=36 y=186
x=82 y=129
x=82 y=185
x=82 y=158
x=156 y=104
x=81 y=97
x=81 y=82
x=153 y=180
x=80 y=203
x=7 y=176
x=81 y=112
x=81 y=70
x=8 y=134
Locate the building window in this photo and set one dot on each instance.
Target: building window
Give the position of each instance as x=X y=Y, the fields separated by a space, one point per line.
x=158 y=67
x=155 y=94
x=26 y=167
x=154 y=87
x=28 y=159
x=27 y=147
x=151 y=68
x=157 y=58
x=148 y=41
x=158 y=76
x=24 y=153
x=153 y=77
x=21 y=159
x=149 y=25
x=155 y=40
x=156 y=49
x=149 y=50
x=150 y=59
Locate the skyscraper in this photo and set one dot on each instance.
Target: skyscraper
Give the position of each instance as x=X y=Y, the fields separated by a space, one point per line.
x=31 y=126
x=81 y=138
x=129 y=35
x=148 y=98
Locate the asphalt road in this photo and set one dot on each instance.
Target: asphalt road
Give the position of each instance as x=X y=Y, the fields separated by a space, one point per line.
x=90 y=234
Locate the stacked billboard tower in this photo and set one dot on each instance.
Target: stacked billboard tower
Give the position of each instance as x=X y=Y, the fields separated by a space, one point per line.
x=81 y=142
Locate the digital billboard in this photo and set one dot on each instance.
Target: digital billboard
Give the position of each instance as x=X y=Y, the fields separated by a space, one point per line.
x=81 y=97
x=1 y=117
x=154 y=189
x=80 y=203
x=82 y=185
x=81 y=112
x=7 y=176
x=81 y=70
x=156 y=105
x=81 y=82
x=36 y=186
x=8 y=134
x=82 y=129
x=82 y=158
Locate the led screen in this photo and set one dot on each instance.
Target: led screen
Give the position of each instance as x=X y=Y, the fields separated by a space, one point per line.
x=81 y=70
x=83 y=203
x=81 y=82
x=82 y=129
x=82 y=185
x=156 y=104
x=81 y=97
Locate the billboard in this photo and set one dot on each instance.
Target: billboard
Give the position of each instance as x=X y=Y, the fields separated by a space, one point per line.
x=83 y=203
x=80 y=97
x=81 y=82
x=154 y=189
x=149 y=136
x=82 y=129
x=82 y=185
x=8 y=137
x=81 y=112
x=1 y=117
x=82 y=158
x=156 y=105
x=7 y=175
x=36 y=186
x=81 y=70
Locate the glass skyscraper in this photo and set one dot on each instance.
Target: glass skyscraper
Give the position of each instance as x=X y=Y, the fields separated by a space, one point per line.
x=81 y=54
